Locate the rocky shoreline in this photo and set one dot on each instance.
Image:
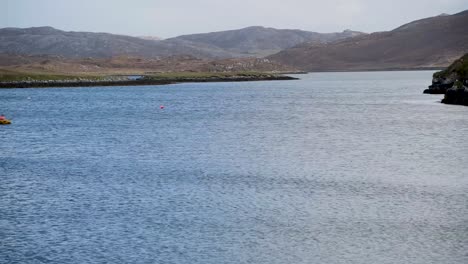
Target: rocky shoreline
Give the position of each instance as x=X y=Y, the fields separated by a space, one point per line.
x=457 y=95
x=452 y=82
x=142 y=81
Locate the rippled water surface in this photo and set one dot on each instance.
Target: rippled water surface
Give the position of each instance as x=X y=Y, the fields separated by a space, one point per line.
x=334 y=168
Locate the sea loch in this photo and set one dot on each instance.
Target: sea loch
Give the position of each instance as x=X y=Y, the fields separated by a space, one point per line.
x=333 y=168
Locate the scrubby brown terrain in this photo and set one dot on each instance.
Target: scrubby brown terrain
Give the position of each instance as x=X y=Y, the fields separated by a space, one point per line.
x=426 y=43
x=134 y=65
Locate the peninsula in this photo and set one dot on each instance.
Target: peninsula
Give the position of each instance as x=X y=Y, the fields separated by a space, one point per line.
x=15 y=80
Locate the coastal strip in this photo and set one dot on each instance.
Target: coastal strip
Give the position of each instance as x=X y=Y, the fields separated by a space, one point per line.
x=144 y=81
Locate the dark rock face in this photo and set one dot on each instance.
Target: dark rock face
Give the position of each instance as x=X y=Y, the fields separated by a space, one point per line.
x=439 y=87
x=457 y=96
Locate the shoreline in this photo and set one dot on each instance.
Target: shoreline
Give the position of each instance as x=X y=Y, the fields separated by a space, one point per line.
x=379 y=70
x=142 y=82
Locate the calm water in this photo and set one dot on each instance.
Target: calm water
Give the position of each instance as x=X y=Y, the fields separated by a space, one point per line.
x=334 y=168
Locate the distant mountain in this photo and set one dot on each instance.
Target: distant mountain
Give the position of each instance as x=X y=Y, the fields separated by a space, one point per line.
x=430 y=42
x=261 y=41
x=248 y=42
x=50 y=41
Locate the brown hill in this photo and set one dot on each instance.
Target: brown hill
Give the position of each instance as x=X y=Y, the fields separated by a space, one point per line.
x=430 y=42
x=261 y=41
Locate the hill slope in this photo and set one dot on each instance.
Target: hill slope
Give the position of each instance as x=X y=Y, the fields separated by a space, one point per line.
x=261 y=41
x=48 y=64
x=430 y=42
x=50 y=41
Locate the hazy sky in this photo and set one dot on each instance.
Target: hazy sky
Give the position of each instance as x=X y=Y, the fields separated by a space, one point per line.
x=167 y=18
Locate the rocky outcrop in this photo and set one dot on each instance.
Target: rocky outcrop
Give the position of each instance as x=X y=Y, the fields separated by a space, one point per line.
x=440 y=85
x=458 y=94
x=453 y=82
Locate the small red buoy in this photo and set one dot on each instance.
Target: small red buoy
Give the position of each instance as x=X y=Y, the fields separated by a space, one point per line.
x=161 y=107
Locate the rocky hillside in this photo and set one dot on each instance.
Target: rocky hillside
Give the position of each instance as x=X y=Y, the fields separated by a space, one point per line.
x=50 y=41
x=453 y=82
x=255 y=41
x=261 y=41
x=431 y=42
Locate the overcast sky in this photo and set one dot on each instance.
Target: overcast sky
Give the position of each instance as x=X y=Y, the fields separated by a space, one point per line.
x=168 y=18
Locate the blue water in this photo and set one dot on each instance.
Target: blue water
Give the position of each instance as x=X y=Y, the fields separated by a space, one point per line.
x=334 y=168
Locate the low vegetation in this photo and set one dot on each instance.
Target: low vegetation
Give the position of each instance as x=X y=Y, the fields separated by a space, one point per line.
x=459 y=69
x=10 y=79
x=13 y=76
x=204 y=75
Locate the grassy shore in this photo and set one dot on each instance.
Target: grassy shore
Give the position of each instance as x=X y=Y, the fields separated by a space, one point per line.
x=202 y=75
x=11 y=79
x=19 y=76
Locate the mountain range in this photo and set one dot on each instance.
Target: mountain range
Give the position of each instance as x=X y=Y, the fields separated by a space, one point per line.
x=247 y=42
x=427 y=43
